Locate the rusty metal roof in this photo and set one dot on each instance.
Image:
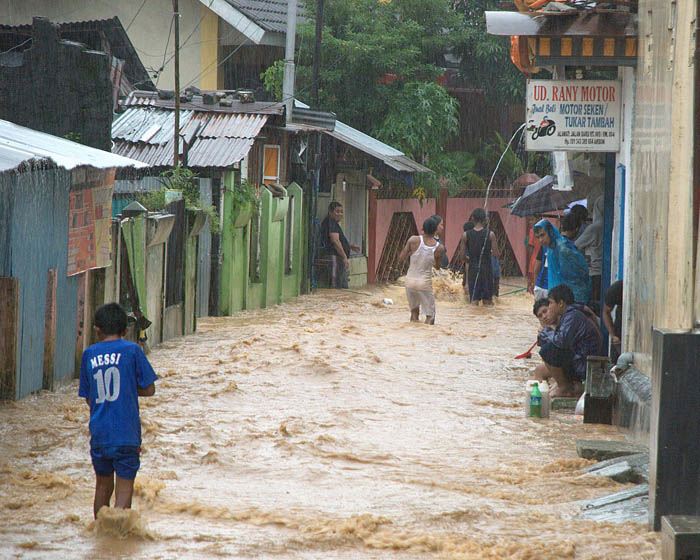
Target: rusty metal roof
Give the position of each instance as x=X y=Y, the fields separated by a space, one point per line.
x=151 y=99
x=585 y=23
x=21 y=145
x=211 y=139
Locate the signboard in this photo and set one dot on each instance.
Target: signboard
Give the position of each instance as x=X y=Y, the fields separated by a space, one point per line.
x=90 y=220
x=573 y=115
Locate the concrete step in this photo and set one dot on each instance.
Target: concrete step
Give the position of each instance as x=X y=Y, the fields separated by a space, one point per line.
x=624 y=469
x=563 y=403
x=600 y=450
x=620 y=507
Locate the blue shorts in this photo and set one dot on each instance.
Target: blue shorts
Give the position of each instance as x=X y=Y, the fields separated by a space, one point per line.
x=123 y=460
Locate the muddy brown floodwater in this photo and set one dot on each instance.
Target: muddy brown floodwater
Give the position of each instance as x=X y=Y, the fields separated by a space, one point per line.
x=328 y=427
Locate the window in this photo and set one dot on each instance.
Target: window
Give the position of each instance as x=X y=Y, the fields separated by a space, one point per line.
x=271 y=164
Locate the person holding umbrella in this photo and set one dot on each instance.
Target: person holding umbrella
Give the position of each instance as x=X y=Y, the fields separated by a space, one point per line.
x=565 y=263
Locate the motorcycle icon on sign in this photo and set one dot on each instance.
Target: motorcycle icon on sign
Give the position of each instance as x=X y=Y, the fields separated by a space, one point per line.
x=545 y=128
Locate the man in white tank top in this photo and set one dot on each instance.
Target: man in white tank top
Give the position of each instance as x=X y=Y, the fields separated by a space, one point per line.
x=425 y=253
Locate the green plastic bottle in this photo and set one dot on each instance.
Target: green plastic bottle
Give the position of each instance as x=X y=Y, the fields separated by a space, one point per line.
x=535 y=402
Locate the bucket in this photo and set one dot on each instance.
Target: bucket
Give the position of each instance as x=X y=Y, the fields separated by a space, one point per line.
x=544 y=389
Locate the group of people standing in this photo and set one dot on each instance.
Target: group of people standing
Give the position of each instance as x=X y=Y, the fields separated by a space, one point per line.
x=566 y=282
x=571 y=256
x=427 y=252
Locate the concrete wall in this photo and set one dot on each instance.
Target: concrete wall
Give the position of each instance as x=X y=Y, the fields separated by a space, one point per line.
x=659 y=268
x=61 y=88
x=148 y=32
x=276 y=282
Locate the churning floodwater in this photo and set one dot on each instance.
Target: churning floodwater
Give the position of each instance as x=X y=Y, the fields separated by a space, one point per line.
x=328 y=427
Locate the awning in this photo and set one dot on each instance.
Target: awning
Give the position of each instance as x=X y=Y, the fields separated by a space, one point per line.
x=578 y=38
x=19 y=145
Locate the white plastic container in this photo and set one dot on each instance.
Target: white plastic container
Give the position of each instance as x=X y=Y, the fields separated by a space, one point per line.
x=544 y=389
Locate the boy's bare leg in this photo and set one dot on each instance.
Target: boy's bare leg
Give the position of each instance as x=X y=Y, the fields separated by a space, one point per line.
x=124 y=493
x=104 y=486
x=414 y=314
x=488 y=302
x=429 y=320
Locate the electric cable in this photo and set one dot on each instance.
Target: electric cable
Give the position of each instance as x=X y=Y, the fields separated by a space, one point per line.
x=136 y=15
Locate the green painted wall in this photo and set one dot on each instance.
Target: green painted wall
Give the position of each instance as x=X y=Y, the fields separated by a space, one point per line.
x=190 y=284
x=135 y=240
x=291 y=280
x=275 y=284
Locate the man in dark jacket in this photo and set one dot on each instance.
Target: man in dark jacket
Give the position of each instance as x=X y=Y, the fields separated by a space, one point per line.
x=564 y=352
x=336 y=246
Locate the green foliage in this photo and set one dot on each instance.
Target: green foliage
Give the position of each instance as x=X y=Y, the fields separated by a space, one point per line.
x=154 y=201
x=245 y=194
x=272 y=79
x=485 y=59
x=74 y=137
x=185 y=181
x=421 y=118
x=365 y=41
x=379 y=61
x=510 y=168
x=539 y=163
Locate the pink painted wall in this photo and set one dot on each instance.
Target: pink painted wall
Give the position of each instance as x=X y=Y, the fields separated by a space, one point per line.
x=385 y=211
x=458 y=212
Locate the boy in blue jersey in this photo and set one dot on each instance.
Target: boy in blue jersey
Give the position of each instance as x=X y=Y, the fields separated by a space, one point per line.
x=114 y=373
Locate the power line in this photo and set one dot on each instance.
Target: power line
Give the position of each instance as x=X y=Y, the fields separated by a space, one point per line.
x=184 y=43
x=165 y=52
x=136 y=15
x=208 y=68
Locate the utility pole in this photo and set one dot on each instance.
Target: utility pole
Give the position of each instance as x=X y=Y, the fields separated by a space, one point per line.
x=317 y=53
x=288 y=83
x=176 y=139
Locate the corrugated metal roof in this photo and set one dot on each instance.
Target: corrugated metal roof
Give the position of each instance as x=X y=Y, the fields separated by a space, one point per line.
x=214 y=139
x=391 y=156
x=19 y=145
x=364 y=142
x=151 y=99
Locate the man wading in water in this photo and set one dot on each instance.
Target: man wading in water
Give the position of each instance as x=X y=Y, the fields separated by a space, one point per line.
x=426 y=253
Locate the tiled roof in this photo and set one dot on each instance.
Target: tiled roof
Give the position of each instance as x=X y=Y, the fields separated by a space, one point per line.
x=271 y=15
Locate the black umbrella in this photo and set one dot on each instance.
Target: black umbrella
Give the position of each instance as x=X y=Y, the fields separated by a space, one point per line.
x=541 y=197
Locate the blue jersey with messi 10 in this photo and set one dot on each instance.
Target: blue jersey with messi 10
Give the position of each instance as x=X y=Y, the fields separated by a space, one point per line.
x=110 y=374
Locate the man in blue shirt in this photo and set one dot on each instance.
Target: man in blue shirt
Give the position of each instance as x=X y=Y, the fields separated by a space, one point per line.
x=113 y=374
x=565 y=349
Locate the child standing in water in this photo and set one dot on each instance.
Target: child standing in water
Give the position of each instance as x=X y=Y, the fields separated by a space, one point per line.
x=426 y=253
x=113 y=374
x=481 y=244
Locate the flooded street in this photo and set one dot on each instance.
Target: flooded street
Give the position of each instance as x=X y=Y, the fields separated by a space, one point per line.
x=328 y=427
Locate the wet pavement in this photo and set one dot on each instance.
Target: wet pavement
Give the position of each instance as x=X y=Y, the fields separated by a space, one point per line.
x=327 y=427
